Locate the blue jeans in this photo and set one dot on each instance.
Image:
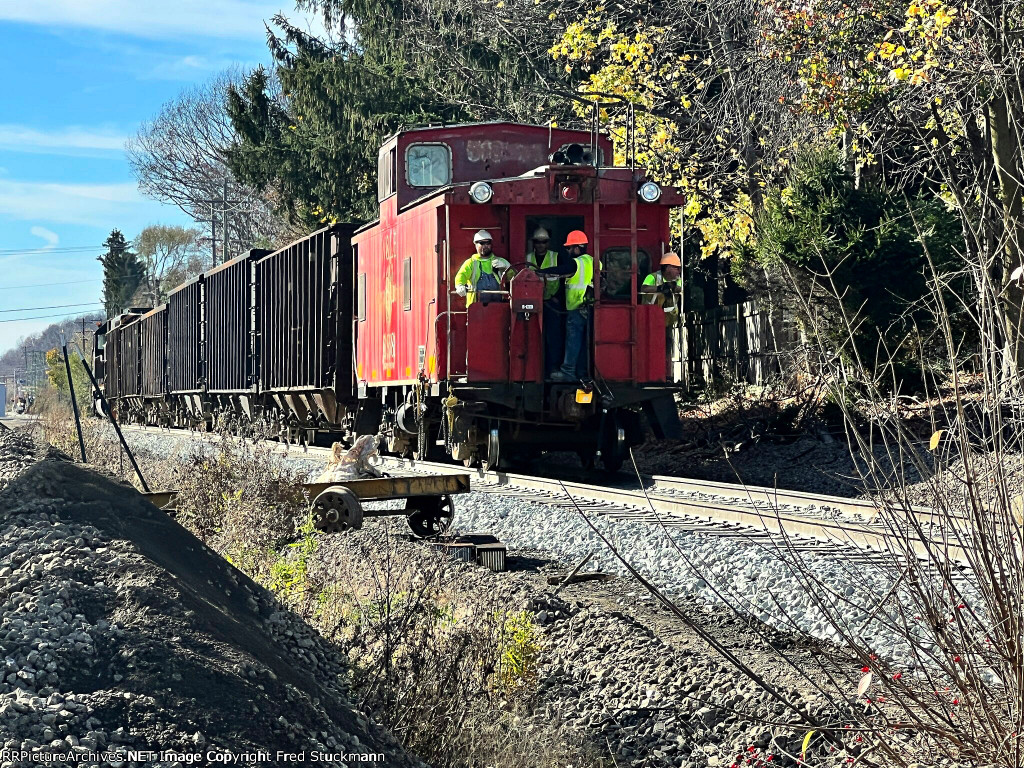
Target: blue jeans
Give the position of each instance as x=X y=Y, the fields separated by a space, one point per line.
x=554 y=336
x=576 y=360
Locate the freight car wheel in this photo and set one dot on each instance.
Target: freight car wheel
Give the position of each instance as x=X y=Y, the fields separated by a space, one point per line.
x=430 y=516
x=337 y=509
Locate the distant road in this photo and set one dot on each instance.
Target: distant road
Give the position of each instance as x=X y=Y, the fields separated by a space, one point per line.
x=13 y=420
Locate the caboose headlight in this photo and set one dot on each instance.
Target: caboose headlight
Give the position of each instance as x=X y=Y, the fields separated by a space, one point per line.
x=481 y=192
x=650 y=192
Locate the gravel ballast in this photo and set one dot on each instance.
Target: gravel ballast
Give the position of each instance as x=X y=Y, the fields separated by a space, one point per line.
x=122 y=630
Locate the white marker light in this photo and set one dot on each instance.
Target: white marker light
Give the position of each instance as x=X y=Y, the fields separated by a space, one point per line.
x=650 y=192
x=481 y=192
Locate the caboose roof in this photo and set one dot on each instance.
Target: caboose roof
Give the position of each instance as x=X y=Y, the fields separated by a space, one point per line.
x=475 y=128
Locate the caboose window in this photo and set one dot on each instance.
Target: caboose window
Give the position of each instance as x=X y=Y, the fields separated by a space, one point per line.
x=428 y=165
x=407 y=283
x=361 y=297
x=617 y=269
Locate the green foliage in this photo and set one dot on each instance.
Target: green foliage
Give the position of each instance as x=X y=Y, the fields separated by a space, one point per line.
x=57 y=373
x=288 y=572
x=519 y=650
x=122 y=273
x=858 y=273
x=316 y=144
x=171 y=256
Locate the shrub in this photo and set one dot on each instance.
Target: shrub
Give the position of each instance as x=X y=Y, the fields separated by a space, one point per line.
x=848 y=259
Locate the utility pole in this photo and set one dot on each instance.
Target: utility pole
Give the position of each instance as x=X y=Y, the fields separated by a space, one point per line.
x=227 y=251
x=224 y=202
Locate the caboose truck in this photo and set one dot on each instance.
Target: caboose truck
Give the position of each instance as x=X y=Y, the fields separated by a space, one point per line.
x=430 y=373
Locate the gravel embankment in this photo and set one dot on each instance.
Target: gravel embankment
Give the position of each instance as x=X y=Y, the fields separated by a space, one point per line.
x=122 y=630
x=606 y=678
x=763 y=579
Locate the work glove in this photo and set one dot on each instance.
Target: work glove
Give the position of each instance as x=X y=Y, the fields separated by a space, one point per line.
x=462 y=290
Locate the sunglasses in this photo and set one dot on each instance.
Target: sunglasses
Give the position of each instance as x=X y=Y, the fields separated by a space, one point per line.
x=541 y=242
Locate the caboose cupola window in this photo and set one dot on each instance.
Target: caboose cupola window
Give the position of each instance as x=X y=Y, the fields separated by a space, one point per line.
x=428 y=165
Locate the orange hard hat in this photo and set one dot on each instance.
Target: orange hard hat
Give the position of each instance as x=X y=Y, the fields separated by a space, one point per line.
x=671 y=259
x=576 y=237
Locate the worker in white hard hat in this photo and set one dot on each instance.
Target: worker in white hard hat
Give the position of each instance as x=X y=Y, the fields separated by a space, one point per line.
x=542 y=257
x=481 y=274
x=664 y=289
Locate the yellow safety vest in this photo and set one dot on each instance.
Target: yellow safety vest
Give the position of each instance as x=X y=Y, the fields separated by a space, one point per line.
x=550 y=281
x=576 y=286
x=471 y=270
x=669 y=304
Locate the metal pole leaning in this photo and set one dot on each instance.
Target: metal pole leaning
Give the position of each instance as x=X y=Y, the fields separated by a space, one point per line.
x=110 y=415
x=74 y=401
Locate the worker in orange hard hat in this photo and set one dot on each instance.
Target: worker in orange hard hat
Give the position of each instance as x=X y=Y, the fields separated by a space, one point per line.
x=664 y=289
x=578 y=271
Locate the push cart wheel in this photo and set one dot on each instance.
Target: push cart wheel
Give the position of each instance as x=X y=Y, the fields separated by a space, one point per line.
x=430 y=516
x=337 y=509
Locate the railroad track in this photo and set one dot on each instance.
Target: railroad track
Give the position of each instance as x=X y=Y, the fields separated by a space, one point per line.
x=771 y=517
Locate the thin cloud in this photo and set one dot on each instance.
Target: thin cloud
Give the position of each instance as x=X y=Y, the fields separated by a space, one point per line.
x=69 y=140
x=98 y=205
x=218 y=19
x=188 y=68
x=51 y=238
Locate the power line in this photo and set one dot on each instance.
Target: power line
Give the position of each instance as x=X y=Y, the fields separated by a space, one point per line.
x=52 y=306
x=44 y=249
x=47 y=285
x=36 y=317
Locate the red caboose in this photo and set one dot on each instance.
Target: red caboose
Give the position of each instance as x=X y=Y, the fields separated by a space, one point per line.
x=433 y=374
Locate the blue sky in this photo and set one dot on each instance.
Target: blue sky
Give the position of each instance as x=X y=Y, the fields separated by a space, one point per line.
x=82 y=75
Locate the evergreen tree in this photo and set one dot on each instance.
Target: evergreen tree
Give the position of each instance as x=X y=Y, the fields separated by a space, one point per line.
x=849 y=262
x=310 y=130
x=123 y=273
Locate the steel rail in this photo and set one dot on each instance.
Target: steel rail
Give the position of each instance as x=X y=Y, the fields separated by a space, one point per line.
x=630 y=500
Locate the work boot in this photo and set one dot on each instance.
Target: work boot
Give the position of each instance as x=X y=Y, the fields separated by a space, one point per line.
x=561 y=375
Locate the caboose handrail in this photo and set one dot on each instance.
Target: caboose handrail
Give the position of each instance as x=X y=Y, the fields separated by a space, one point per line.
x=488 y=292
x=448 y=340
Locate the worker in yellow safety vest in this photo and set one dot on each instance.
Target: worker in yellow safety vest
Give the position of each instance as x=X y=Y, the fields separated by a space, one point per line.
x=664 y=288
x=541 y=257
x=480 y=276
x=579 y=277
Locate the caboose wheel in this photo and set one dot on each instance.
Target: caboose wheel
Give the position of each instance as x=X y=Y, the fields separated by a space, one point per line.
x=613 y=444
x=430 y=516
x=587 y=457
x=337 y=509
x=493 y=451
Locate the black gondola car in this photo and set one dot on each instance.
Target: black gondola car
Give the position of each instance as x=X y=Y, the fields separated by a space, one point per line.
x=154 y=361
x=130 y=353
x=185 y=333
x=229 y=309
x=303 y=316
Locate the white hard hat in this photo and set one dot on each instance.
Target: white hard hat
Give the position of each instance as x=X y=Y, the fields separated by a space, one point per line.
x=541 y=234
x=482 y=235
